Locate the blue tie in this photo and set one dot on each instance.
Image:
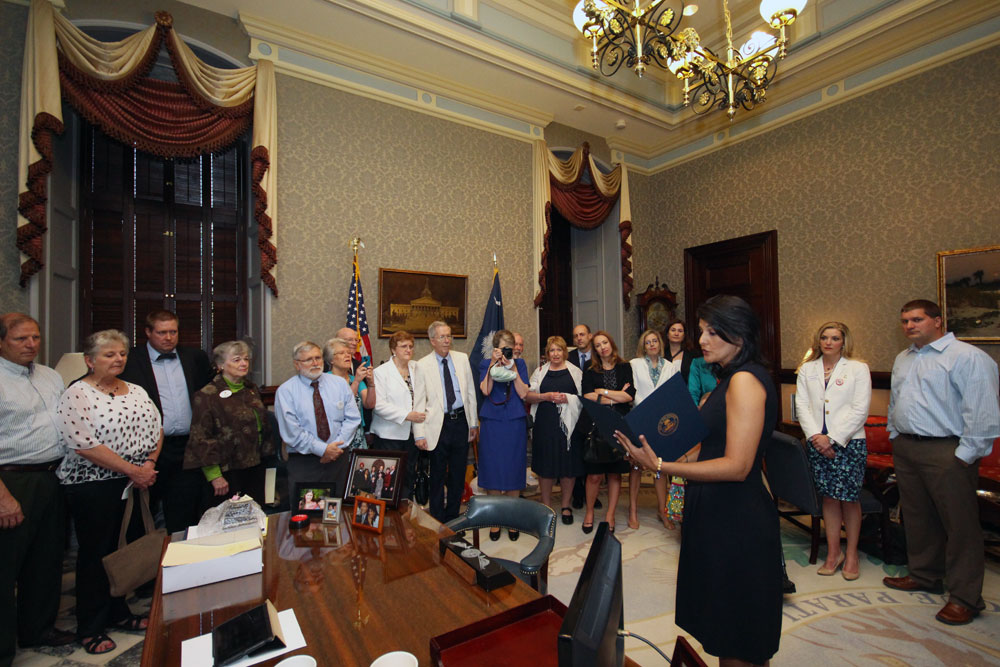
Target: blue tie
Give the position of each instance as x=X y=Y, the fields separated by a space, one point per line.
x=449 y=388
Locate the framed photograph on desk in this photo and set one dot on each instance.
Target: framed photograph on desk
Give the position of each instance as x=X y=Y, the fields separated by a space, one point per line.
x=310 y=497
x=376 y=473
x=331 y=510
x=368 y=514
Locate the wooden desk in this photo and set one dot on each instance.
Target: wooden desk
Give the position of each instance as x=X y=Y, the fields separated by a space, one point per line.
x=356 y=594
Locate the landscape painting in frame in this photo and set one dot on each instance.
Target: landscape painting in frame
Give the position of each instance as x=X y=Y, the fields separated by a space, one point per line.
x=969 y=293
x=410 y=300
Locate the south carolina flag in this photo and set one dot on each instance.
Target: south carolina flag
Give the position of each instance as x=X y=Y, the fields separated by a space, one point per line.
x=492 y=323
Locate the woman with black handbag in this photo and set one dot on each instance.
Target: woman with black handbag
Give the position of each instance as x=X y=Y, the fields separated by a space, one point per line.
x=608 y=380
x=113 y=434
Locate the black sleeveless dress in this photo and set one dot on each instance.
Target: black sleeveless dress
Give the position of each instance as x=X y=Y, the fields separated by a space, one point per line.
x=729 y=572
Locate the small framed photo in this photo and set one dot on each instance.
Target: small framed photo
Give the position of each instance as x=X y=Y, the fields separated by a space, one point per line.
x=376 y=473
x=368 y=514
x=310 y=497
x=331 y=510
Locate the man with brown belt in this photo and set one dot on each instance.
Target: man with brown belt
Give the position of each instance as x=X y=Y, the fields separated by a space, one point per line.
x=32 y=522
x=944 y=413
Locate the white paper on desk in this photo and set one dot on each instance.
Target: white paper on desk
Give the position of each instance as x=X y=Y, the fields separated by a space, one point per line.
x=197 y=651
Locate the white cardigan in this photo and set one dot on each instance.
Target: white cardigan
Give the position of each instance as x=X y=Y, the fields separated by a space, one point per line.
x=644 y=382
x=569 y=412
x=845 y=399
x=392 y=402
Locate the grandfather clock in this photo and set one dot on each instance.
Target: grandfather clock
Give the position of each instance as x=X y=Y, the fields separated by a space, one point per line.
x=657 y=306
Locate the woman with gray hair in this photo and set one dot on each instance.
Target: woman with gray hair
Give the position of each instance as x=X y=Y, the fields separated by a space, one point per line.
x=338 y=354
x=113 y=434
x=230 y=436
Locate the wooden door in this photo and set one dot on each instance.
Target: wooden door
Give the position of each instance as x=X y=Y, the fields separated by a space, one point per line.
x=746 y=267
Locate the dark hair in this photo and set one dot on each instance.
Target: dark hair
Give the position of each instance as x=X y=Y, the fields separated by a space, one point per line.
x=931 y=309
x=398 y=337
x=735 y=322
x=686 y=344
x=160 y=316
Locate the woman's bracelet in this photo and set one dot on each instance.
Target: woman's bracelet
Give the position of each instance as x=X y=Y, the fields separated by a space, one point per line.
x=659 y=464
x=149 y=459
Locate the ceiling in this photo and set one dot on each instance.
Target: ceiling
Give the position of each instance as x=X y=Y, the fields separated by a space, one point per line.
x=518 y=65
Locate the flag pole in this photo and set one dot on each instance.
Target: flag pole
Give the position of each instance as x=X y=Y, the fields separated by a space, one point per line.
x=355 y=244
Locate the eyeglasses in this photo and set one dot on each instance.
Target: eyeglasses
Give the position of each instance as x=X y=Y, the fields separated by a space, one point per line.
x=311 y=360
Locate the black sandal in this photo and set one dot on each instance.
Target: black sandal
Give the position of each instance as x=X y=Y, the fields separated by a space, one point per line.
x=513 y=535
x=90 y=645
x=494 y=535
x=567 y=516
x=132 y=623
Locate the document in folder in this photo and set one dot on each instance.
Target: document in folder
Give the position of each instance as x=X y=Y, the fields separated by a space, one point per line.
x=668 y=418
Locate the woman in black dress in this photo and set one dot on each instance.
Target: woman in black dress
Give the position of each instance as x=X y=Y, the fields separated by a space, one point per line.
x=555 y=408
x=608 y=380
x=729 y=573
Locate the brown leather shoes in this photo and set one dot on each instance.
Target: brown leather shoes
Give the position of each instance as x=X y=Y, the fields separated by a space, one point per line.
x=954 y=613
x=909 y=584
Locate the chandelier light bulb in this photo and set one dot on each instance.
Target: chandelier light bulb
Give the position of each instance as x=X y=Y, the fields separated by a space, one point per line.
x=780 y=12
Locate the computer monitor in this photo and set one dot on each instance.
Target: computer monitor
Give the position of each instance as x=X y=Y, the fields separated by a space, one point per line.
x=589 y=634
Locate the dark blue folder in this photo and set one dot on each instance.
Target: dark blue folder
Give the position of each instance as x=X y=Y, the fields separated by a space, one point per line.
x=668 y=418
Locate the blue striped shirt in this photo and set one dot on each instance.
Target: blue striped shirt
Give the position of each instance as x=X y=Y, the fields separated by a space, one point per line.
x=29 y=396
x=172 y=387
x=947 y=388
x=293 y=406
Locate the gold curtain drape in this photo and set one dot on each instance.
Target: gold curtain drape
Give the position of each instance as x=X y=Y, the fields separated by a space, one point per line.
x=116 y=66
x=548 y=166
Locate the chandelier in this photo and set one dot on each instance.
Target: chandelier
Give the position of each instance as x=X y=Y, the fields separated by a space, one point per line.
x=643 y=35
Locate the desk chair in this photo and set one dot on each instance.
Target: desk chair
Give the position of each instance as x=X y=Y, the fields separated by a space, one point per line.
x=790 y=478
x=519 y=514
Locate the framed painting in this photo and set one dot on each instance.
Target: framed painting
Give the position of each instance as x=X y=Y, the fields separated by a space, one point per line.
x=969 y=293
x=410 y=300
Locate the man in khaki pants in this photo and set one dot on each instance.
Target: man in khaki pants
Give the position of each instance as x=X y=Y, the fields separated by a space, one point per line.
x=944 y=413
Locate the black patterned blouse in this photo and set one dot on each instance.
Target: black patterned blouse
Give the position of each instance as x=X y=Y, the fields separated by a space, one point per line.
x=128 y=425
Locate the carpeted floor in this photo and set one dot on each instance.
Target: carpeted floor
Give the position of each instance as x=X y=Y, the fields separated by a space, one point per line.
x=828 y=619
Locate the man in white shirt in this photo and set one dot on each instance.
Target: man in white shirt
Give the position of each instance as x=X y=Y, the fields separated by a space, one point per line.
x=944 y=414
x=317 y=417
x=444 y=389
x=32 y=517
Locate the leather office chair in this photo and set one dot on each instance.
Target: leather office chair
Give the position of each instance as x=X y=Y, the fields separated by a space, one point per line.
x=790 y=478
x=519 y=514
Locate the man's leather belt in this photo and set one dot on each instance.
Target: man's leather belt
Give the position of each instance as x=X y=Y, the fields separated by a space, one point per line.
x=455 y=414
x=921 y=438
x=32 y=467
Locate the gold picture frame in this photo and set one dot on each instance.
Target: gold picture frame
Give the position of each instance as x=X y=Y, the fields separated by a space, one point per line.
x=969 y=293
x=410 y=300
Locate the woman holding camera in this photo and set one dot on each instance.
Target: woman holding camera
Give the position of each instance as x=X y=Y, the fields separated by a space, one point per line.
x=503 y=428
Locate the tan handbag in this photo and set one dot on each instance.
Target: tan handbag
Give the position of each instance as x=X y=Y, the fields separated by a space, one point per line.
x=137 y=562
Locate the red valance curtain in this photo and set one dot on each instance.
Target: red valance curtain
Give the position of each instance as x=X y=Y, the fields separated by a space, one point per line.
x=107 y=84
x=585 y=205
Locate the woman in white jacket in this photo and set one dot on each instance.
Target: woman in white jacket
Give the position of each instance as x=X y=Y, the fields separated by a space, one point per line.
x=394 y=415
x=832 y=400
x=649 y=371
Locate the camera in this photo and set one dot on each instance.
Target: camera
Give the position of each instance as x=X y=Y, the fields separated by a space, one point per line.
x=508 y=352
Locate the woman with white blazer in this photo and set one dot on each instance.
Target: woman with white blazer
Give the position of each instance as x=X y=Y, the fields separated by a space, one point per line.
x=832 y=398
x=393 y=417
x=649 y=370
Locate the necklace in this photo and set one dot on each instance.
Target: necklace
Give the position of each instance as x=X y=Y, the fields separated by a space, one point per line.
x=109 y=392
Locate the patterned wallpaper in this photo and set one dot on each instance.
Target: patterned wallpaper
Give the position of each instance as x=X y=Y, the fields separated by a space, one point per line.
x=13 y=23
x=863 y=195
x=424 y=194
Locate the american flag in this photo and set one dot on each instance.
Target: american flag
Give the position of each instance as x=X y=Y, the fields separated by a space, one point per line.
x=356 y=318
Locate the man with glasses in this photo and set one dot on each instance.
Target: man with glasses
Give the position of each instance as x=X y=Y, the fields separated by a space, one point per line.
x=444 y=389
x=317 y=417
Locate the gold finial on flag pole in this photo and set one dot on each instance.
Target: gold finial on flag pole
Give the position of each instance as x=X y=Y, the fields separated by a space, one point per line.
x=494 y=261
x=356 y=242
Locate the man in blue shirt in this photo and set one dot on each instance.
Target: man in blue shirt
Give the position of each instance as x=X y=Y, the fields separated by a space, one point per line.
x=171 y=374
x=944 y=414
x=32 y=517
x=317 y=417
